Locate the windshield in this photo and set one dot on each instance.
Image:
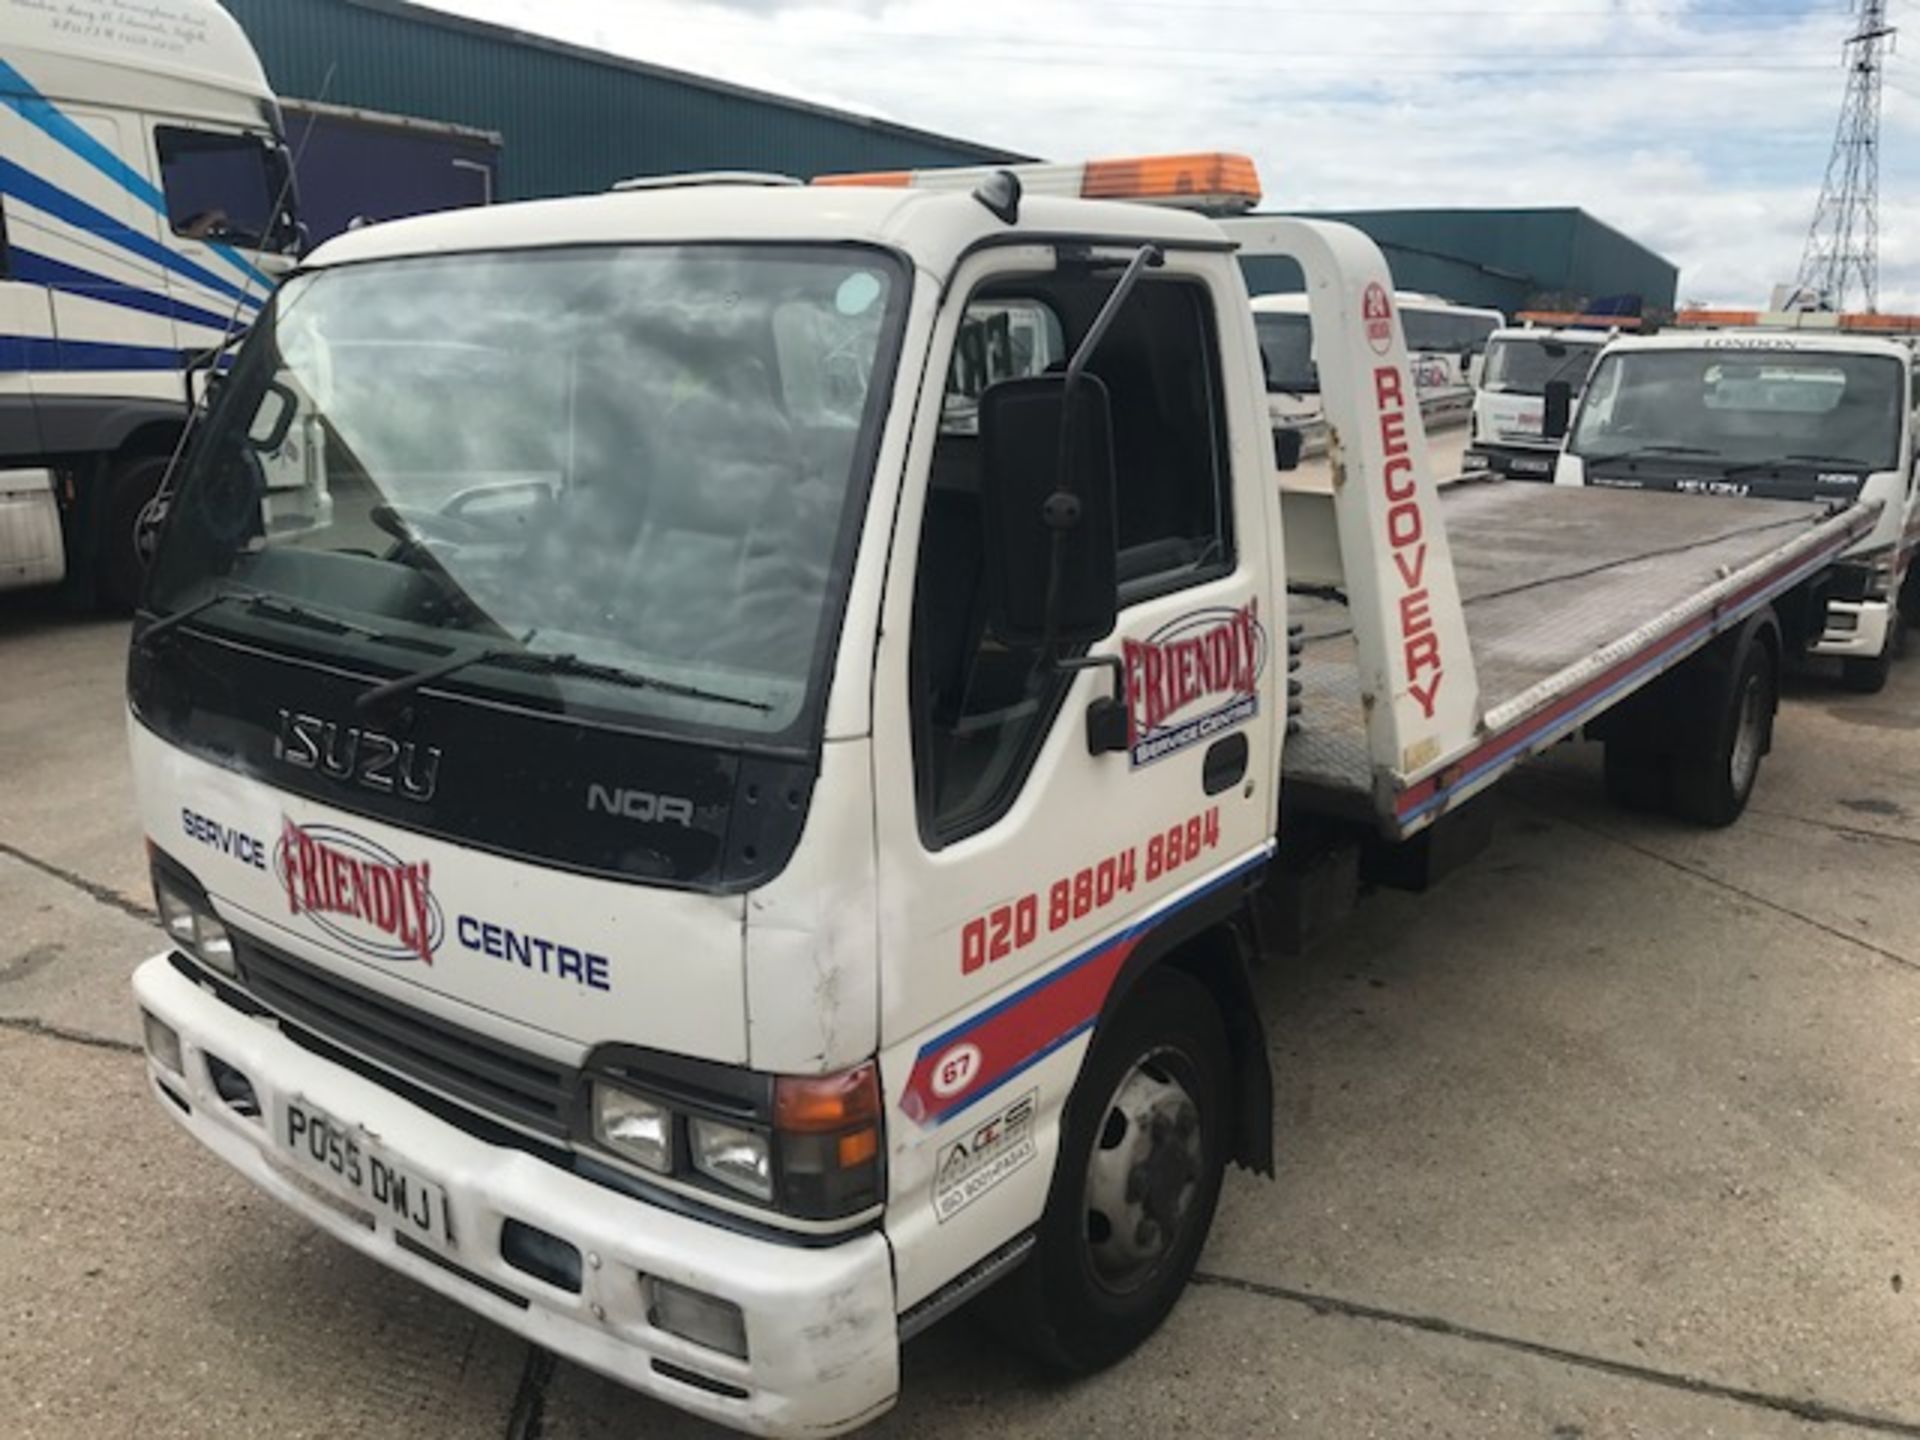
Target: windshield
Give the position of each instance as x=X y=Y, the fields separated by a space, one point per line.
x=1286 y=349
x=1447 y=332
x=1747 y=407
x=1526 y=367
x=640 y=459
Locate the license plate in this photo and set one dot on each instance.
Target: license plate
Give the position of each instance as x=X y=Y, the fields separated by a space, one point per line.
x=349 y=1164
x=1531 y=467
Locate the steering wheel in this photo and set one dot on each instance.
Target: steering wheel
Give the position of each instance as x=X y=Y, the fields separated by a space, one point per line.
x=413 y=529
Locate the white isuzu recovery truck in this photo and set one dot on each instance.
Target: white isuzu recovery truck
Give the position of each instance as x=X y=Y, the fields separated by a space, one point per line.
x=711 y=854
x=1509 y=404
x=1797 y=408
x=145 y=214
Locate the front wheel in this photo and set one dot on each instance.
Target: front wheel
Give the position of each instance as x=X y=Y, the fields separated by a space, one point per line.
x=1712 y=786
x=1142 y=1152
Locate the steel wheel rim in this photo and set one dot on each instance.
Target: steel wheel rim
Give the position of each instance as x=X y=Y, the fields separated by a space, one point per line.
x=1144 y=1174
x=1745 y=760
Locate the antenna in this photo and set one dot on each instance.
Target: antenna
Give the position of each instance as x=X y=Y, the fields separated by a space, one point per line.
x=1843 y=243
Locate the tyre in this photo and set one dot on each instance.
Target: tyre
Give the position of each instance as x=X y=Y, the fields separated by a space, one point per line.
x=1142 y=1152
x=1713 y=782
x=1869 y=677
x=121 y=550
x=1637 y=779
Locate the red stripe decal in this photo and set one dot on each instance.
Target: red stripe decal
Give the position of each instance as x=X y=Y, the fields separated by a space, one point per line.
x=961 y=1065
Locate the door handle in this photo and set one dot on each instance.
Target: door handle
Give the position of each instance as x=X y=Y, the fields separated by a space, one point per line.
x=1226 y=764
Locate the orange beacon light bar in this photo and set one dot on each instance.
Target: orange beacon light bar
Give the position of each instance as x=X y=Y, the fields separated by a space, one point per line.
x=1212 y=181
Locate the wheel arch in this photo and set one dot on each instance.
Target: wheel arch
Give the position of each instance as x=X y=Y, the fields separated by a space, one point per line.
x=1211 y=942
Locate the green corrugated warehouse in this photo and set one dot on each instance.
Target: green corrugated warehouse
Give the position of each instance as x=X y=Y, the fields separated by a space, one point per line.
x=572 y=120
x=1510 y=260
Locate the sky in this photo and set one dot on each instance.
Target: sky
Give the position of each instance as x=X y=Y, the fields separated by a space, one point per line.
x=1699 y=127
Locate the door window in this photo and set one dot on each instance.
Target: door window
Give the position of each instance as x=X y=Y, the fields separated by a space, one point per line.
x=981 y=707
x=221 y=187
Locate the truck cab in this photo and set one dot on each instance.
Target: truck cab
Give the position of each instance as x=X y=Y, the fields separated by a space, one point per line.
x=1786 y=414
x=148 y=214
x=1509 y=399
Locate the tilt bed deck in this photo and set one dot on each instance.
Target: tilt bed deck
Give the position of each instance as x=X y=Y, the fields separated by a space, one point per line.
x=1573 y=598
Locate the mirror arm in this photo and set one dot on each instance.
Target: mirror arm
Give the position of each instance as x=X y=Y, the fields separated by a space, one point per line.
x=1106 y=716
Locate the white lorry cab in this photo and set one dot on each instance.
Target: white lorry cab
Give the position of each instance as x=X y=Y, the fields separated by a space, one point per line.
x=1796 y=410
x=749 y=817
x=1509 y=401
x=1447 y=342
x=145 y=213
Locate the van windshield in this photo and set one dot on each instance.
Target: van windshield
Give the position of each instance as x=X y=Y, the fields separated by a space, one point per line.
x=1527 y=367
x=1746 y=407
x=611 y=478
x=1286 y=349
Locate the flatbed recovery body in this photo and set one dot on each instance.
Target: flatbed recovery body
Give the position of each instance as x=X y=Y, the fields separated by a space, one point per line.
x=1570 y=597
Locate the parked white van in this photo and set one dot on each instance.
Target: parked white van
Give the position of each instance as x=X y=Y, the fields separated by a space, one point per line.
x=145 y=215
x=1445 y=342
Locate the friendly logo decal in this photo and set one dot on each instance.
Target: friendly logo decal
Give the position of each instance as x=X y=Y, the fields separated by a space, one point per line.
x=358 y=892
x=1192 y=679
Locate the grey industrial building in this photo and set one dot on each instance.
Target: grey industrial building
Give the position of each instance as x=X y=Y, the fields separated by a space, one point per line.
x=571 y=120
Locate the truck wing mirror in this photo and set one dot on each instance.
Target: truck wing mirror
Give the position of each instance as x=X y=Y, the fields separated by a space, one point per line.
x=1558 y=413
x=1048 y=509
x=1288 y=445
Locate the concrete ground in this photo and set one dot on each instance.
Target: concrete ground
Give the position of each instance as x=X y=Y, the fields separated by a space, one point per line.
x=1615 y=1134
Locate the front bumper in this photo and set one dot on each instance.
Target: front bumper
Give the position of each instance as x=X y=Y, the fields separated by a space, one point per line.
x=1856 y=629
x=1517 y=462
x=822 y=1343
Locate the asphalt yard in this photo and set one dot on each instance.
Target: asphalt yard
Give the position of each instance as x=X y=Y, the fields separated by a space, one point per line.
x=1616 y=1133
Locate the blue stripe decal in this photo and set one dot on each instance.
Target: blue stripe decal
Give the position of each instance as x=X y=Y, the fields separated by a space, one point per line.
x=72 y=280
x=26 y=186
x=40 y=353
x=18 y=94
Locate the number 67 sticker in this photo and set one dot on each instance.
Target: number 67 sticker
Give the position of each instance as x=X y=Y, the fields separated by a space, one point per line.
x=954 y=1071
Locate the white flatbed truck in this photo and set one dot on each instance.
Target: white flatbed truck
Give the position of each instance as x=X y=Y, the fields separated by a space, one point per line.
x=1790 y=408
x=711 y=856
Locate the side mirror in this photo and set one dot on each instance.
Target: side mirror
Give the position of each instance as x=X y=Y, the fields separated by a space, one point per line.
x=1559 y=410
x=1052 y=542
x=274 y=417
x=1288 y=445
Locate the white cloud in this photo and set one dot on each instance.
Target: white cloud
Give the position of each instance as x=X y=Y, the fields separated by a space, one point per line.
x=1699 y=127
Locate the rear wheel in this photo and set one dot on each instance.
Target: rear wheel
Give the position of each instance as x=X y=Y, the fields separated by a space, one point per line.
x=1712 y=784
x=128 y=527
x=1142 y=1152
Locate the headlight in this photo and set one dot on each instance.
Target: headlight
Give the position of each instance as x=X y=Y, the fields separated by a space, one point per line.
x=808 y=1146
x=187 y=916
x=740 y=1158
x=633 y=1128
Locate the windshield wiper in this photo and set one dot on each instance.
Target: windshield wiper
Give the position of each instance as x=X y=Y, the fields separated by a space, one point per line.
x=439 y=670
x=1643 y=452
x=258 y=601
x=545 y=662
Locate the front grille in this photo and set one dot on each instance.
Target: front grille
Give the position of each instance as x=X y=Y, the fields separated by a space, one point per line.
x=495 y=1079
